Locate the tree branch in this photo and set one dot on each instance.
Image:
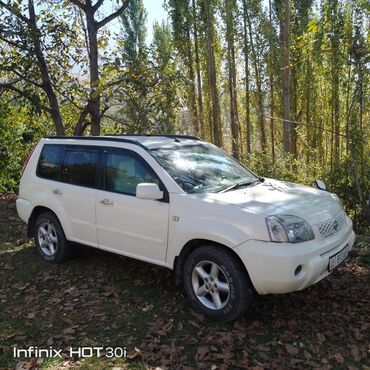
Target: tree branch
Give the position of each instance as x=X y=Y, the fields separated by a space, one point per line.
x=78 y=3
x=24 y=78
x=67 y=97
x=85 y=32
x=14 y=44
x=97 y=5
x=10 y=86
x=81 y=123
x=109 y=18
x=15 y=12
x=44 y=71
x=120 y=121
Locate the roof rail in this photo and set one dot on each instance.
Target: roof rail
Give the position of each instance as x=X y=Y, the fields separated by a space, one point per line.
x=122 y=138
x=174 y=136
x=99 y=138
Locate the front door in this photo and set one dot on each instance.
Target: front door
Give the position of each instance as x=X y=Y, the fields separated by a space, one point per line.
x=125 y=224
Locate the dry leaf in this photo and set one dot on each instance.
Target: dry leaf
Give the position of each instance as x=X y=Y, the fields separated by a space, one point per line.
x=291 y=349
x=202 y=352
x=134 y=353
x=198 y=315
x=166 y=328
x=339 y=358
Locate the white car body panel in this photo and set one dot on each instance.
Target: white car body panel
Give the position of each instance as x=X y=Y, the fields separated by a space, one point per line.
x=81 y=218
x=132 y=226
x=271 y=265
x=156 y=231
x=280 y=197
x=200 y=217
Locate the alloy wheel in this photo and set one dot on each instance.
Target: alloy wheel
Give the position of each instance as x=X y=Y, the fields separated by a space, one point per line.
x=210 y=285
x=47 y=238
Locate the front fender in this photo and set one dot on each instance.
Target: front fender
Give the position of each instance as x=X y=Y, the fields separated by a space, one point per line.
x=194 y=218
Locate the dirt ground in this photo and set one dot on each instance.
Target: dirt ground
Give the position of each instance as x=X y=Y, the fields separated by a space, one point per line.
x=101 y=299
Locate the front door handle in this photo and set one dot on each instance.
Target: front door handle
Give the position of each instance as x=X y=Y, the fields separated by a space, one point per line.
x=107 y=202
x=57 y=191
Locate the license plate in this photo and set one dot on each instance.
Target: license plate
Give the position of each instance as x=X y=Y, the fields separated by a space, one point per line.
x=338 y=258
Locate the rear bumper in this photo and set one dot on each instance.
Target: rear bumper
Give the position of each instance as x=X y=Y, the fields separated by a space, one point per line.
x=24 y=209
x=271 y=266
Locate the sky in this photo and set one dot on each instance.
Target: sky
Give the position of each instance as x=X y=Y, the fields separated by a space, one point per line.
x=155 y=12
x=154 y=9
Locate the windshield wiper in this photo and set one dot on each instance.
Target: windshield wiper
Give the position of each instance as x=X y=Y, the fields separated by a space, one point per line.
x=239 y=185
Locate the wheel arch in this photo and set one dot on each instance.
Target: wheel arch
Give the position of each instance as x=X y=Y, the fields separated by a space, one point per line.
x=36 y=212
x=193 y=244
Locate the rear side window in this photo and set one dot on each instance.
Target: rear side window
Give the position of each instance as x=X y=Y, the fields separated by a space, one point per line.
x=80 y=166
x=48 y=166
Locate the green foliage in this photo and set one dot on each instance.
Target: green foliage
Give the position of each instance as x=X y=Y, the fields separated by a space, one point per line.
x=147 y=99
x=62 y=42
x=17 y=137
x=134 y=32
x=180 y=82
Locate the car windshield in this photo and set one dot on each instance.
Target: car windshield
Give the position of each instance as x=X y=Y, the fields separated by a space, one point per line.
x=203 y=168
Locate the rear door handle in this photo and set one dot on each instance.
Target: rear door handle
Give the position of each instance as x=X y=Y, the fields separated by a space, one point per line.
x=107 y=202
x=57 y=191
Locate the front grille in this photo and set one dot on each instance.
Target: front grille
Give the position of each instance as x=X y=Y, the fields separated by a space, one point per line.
x=332 y=226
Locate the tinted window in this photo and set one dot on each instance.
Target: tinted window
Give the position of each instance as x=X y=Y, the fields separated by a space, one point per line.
x=48 y=166
x=80 y=166
x=124 y=170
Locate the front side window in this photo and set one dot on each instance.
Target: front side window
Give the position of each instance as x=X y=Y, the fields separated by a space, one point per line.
x=124 y=170
x=80 y=166
x=202 y=168
x=48 y=166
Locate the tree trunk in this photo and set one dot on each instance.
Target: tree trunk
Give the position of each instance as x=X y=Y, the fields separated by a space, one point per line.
x=261 y=119
x=235 y=90
x=212 y=74
x=348 y=106
x=335 y=82
x=308 y=83
x=46 y=81
x=94 y=73
x=294 y=113
x=246 y=72
x=285 y=73
x=194 y=110
x=198 y=71
x=234 y=121
x=271 y=78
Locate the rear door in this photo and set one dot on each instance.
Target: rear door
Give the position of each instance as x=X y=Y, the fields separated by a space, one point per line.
x=125 y=224
x=73 y=189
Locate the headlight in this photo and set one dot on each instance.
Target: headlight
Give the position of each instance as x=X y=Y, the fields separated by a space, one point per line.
x=287 y=228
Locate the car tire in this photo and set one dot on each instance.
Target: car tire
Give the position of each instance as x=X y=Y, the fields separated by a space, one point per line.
x=216 y=283
x=50 y=240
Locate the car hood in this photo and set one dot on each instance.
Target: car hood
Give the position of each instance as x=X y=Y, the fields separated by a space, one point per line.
x=279 y=197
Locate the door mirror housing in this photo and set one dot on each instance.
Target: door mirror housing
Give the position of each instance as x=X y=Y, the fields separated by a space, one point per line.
x=148 y=191
x=320 y=184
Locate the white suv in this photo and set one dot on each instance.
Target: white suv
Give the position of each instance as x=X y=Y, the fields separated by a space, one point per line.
x=182 y=203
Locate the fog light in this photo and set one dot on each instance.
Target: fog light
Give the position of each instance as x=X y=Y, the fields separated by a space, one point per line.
x=298 y=270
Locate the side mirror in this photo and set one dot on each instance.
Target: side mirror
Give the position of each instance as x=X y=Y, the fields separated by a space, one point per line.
x=148 y=191
x=320 y=184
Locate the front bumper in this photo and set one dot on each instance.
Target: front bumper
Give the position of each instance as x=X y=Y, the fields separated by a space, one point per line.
x=271 y=266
